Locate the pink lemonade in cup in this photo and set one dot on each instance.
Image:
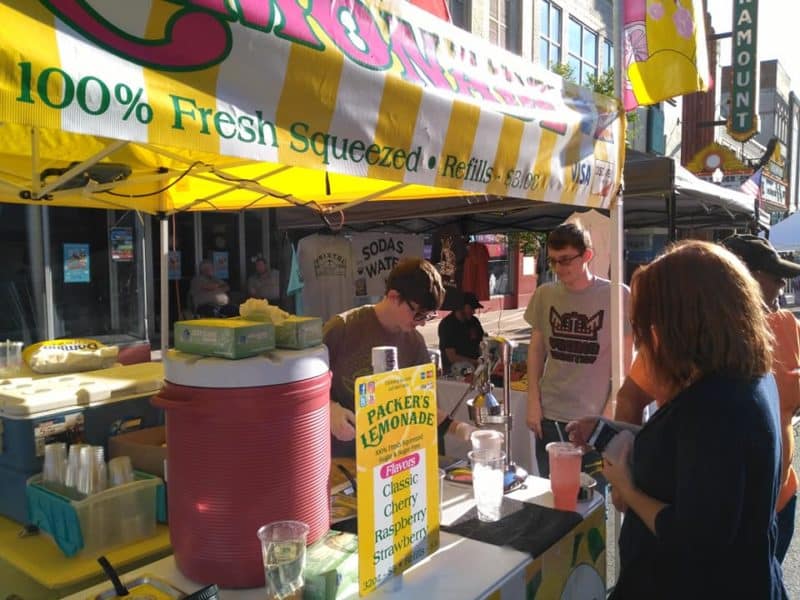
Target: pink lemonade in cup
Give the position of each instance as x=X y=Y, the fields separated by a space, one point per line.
x=565 y=474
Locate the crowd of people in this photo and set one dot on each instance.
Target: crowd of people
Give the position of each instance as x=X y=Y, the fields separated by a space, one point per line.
x=706 y=485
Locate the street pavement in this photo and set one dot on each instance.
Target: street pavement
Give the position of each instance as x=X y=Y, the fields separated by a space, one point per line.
x=510 y=324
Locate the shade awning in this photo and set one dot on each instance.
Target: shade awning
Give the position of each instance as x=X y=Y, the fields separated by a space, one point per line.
x=225 y=106
x=649 y=183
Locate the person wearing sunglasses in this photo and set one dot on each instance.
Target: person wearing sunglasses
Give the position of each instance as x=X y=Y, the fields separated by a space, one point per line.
x=569 y=358
x=414 y=292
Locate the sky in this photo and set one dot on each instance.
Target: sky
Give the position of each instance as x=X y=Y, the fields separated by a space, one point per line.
x=777 y=33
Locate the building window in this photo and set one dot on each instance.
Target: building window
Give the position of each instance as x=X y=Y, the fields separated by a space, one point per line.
x=608 y=48
x=582 y=46
x=549 y=34
x=461 y=13
x=504 y=24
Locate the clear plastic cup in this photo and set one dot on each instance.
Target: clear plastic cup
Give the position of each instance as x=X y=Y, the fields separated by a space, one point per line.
x=10 y=358
x=73 y=465
x=55 y=463
x=565 y=474
x=487 y=439
x=487 y=483
x=86 y=470
x=120 y=471
x=100 y=479
x=283 y=549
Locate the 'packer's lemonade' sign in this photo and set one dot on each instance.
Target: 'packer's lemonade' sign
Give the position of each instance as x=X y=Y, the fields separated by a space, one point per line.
x=397 y=460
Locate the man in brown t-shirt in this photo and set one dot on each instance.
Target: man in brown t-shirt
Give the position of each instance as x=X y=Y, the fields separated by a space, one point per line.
x=414 y=292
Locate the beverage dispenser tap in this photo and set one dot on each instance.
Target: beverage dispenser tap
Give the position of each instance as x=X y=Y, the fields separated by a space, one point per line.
x=485 y=410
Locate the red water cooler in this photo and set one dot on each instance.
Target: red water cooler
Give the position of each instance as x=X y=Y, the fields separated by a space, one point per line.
x=248 y=442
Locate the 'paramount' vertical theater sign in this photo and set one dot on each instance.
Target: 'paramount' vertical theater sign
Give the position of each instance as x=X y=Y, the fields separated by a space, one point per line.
x=743 y=119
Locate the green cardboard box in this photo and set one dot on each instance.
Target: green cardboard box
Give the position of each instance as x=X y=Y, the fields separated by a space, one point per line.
x=297 y=333
x=225 y=338
x=331 y=566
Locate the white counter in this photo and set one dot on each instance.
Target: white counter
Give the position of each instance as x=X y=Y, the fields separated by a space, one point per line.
x=460 y=569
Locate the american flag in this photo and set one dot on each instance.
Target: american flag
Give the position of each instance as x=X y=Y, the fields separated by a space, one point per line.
x=752 y=187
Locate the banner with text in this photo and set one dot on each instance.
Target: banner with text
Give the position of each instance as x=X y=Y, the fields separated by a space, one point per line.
x=368 y=88
x=398 y=465
x=376 y=254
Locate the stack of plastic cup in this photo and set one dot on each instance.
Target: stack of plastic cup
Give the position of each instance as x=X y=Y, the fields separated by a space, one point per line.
x=100 y=482
x=55 y=463
x=120 y=471
x=86 y=470
x=73 y=465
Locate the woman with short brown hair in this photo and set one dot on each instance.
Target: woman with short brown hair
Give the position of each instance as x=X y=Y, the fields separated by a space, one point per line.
x=708 y=311
x=701 y=483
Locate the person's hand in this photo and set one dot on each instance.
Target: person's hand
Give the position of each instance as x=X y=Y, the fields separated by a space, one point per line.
x=534 y=412
x=462 y=430
x=342 y=422
x=581 y=430
x=617 y=501
x=618 y=473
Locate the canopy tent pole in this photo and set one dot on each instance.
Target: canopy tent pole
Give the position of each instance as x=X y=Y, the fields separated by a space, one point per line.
x=164 y=242
x=77 y=169
x=617 y=274
x=672 y=229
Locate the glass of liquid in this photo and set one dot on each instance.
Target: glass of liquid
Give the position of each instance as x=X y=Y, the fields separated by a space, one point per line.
x=283 y=548
x=487 y=482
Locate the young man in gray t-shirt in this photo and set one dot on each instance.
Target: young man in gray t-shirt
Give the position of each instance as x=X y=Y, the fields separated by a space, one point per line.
x=569 y=358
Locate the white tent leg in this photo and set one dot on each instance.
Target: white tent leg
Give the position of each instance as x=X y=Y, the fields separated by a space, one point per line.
x=164 y=239
x=617 y=348
x=617 y=277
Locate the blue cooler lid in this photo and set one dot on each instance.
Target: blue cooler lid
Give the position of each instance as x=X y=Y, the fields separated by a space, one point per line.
x=275 y=367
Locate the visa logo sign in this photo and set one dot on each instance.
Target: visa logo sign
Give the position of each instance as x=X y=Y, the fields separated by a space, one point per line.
x=582 y=173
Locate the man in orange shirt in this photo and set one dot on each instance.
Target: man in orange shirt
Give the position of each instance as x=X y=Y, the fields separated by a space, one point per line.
x=771 y=271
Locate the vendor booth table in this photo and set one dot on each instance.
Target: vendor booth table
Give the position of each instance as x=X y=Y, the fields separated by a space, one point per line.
x=33 y=567
x=571 y=567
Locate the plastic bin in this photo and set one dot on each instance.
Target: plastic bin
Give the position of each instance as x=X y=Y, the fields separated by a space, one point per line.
x=12 y=493
x=89 y=526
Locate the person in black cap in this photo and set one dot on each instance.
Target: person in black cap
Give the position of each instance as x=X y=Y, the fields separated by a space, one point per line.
x=460 y=335
x=771 y=271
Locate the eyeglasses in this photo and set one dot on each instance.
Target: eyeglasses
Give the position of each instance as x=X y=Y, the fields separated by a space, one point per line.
x=421 y=316
x=563 y=261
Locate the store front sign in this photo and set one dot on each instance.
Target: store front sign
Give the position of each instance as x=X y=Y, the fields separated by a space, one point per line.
x=743 y=119
x=397 y=463
x=773 y=191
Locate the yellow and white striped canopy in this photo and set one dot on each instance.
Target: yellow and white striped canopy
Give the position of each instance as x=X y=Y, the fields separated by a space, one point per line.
x=214 y=104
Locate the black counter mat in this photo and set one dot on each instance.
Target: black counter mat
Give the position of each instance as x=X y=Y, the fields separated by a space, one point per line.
x=523 y=526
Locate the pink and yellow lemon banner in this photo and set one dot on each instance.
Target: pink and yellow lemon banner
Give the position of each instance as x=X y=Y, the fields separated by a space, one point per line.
x=357 y=87
x=398 y=465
